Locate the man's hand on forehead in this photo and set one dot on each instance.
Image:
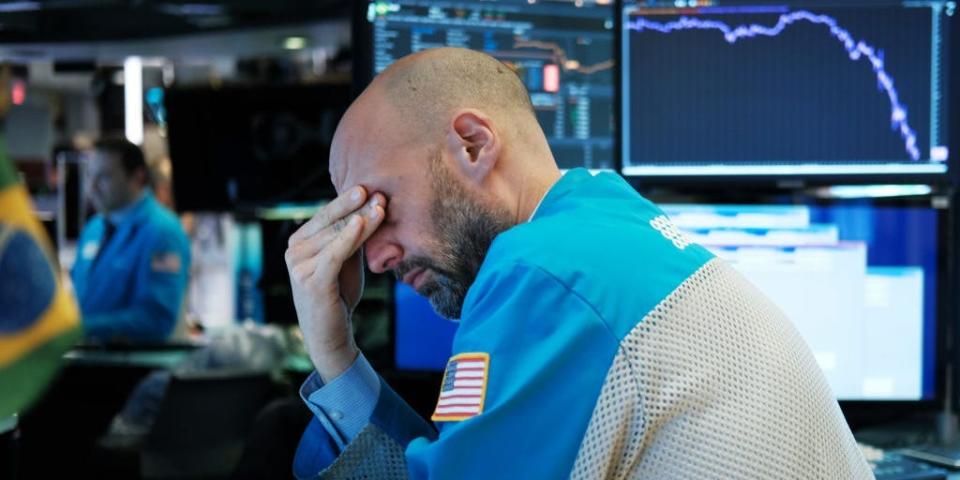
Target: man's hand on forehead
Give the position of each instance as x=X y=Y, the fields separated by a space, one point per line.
x=338 y=213
x=326 y=275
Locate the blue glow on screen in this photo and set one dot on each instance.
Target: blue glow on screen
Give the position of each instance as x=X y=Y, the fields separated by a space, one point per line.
x=424 y=340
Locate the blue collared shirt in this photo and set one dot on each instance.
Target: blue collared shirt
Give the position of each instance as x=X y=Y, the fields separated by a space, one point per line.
x=130 y=286
x=344 y=405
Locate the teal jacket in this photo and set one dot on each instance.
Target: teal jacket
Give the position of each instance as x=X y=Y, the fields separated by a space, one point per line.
x=131 y=286
x=550 y=306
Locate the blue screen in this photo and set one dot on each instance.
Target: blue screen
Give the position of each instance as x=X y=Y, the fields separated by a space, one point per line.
x=423 y=339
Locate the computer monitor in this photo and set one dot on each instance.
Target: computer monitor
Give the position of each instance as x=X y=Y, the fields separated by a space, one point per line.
x=423 y=340
x=562 y=50
x=802 y=89
x=245 y=147
x=860 y=282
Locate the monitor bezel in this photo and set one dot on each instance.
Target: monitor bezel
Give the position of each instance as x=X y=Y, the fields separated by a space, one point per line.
x=952 y=105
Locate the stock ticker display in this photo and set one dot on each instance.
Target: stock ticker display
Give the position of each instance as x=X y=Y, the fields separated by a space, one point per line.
x=563 y=52
x=731 y=88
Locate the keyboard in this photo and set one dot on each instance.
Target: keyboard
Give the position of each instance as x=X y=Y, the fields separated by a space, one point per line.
x=893 y=466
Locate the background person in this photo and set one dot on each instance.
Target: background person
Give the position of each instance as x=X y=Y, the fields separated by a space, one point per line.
x=133 y=256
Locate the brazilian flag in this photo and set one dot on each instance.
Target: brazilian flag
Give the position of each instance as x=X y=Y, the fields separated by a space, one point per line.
x=38 y=315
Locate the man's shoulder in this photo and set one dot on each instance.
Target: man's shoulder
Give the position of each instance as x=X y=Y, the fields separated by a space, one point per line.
x=596 y=235
x=95 y=220
x=92 y=225
x=160 y=221
x=620 y=254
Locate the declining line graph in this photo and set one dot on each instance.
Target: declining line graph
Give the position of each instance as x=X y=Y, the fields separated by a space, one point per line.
x=855 y=50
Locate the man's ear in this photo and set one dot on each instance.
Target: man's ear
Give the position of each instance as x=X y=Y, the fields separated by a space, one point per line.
x=473 y=144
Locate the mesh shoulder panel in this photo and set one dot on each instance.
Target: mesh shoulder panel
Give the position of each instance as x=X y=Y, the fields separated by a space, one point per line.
x=715 y=382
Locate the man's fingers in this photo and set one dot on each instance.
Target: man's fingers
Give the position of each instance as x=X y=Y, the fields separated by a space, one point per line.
x=307 y=247
x=373 y=219
x=340 y=207
x=340 y=248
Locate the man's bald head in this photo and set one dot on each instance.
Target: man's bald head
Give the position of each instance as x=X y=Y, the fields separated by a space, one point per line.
x=449 y=138
x=412 y=105
x=427 y=87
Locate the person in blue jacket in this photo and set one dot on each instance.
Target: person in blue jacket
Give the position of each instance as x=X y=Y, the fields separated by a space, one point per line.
x=595 y=341
x=133 y=257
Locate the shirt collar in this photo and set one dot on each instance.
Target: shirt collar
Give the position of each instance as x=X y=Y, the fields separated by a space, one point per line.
x=534 y=213
x=545 y=194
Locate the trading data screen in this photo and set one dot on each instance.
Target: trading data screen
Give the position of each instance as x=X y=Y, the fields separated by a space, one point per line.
x=858 y=281
x=563 y=52
x=737 y=88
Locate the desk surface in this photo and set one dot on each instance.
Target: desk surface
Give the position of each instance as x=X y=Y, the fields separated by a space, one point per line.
x=165 y=359
x=158 y=359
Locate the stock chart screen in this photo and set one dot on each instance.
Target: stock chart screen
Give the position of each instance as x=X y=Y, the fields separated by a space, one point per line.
x=736 y=88
x=563 y=52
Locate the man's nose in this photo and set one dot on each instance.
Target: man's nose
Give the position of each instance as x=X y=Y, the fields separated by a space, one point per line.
x=382 y=254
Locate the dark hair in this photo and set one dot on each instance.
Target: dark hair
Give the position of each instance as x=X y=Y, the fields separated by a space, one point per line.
x=130 y=155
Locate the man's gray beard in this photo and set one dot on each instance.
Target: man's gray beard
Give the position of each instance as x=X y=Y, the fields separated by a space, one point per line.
x=464 y=229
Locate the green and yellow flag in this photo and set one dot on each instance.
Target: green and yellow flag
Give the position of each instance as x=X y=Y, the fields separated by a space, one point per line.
x=38 y=315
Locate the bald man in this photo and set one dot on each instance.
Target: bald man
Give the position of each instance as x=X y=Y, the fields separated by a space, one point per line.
x=595 y=341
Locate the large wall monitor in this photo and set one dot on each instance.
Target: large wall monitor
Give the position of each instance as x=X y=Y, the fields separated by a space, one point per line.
x=714 y=88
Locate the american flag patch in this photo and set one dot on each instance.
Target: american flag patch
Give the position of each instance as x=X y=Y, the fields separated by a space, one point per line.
x=167 y=262
x=464 y=388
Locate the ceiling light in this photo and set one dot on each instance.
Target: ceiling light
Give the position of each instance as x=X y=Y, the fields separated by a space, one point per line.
x=294 y=43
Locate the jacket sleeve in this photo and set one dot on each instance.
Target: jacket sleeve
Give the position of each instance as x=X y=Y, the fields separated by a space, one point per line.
x=161 y=284
x=549 y=351
x=344 y=405
x=376 y=452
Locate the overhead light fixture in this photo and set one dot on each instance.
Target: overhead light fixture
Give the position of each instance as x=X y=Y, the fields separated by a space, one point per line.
x=133 y=99
x=294 y=43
